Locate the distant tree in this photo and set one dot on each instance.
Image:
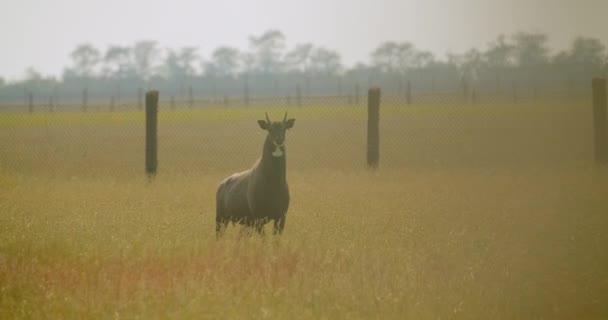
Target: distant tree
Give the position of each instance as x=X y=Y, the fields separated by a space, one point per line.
x=500 y=53
x=267 y=50
x=396 y=57
x=422 y=59
x=2 y=81
x=325 y=61
x=179 y=63
x=455 y=60
x=224 y=62
x=385 y=56
x=359 y=72
x=85 y=58
x=472 y=63
x=248 y=62
x=298 y=59
x=118 y=62
x=32 y=75
x=530 y=49
x=145 y=54
x=587 y=51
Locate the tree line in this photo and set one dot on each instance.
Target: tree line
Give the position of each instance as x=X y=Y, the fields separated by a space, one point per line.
x=269 y=68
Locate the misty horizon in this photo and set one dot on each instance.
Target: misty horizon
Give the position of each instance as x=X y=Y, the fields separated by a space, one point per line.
x=48 y=32
x=200 y=59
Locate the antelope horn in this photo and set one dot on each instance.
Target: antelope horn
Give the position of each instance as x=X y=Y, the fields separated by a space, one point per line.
x=267 y=119
x=285 y=118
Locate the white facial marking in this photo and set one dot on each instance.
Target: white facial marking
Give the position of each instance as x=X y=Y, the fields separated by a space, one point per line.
x=277 y=150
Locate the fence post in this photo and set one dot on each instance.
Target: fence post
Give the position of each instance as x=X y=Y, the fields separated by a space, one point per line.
x=298 y=96
x=599 y=121
x=357 y=94
x=51 y=104
x=190 y=97
x=30 y=102
x=85 y=99
x=151 y=137
x=373 y=127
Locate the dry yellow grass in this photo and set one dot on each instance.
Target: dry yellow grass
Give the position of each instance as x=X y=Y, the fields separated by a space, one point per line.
x=491 y=212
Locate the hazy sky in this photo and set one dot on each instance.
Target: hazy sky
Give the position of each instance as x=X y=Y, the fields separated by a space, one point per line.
x=41 y=33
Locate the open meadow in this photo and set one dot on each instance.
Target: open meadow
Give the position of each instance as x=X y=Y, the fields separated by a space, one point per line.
x=486 y=211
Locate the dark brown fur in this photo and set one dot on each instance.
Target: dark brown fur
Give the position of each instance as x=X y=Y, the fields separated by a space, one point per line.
x=260 y=194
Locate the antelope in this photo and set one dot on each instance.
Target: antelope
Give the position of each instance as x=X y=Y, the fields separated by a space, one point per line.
x=256 y=196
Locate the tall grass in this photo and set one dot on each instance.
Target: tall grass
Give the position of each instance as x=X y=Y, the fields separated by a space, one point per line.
x=487 y=212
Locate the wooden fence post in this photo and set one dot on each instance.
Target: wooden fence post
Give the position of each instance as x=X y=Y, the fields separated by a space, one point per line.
x=600 y=127
x=373 y=127
x=151 y=136
x=190 y=97
x=357 y=94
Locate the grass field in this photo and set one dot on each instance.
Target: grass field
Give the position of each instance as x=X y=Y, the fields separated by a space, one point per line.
x=492 y=211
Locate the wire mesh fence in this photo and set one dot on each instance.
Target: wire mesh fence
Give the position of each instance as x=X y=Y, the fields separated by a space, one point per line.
x=423 y=130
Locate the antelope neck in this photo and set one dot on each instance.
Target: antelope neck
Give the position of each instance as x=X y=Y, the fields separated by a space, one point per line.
x=271 y=165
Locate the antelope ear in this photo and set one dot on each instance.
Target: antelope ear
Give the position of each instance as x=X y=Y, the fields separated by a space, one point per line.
x=289 y=123
x=263 y=124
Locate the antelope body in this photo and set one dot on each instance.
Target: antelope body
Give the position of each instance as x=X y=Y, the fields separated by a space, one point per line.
x=260 y=194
